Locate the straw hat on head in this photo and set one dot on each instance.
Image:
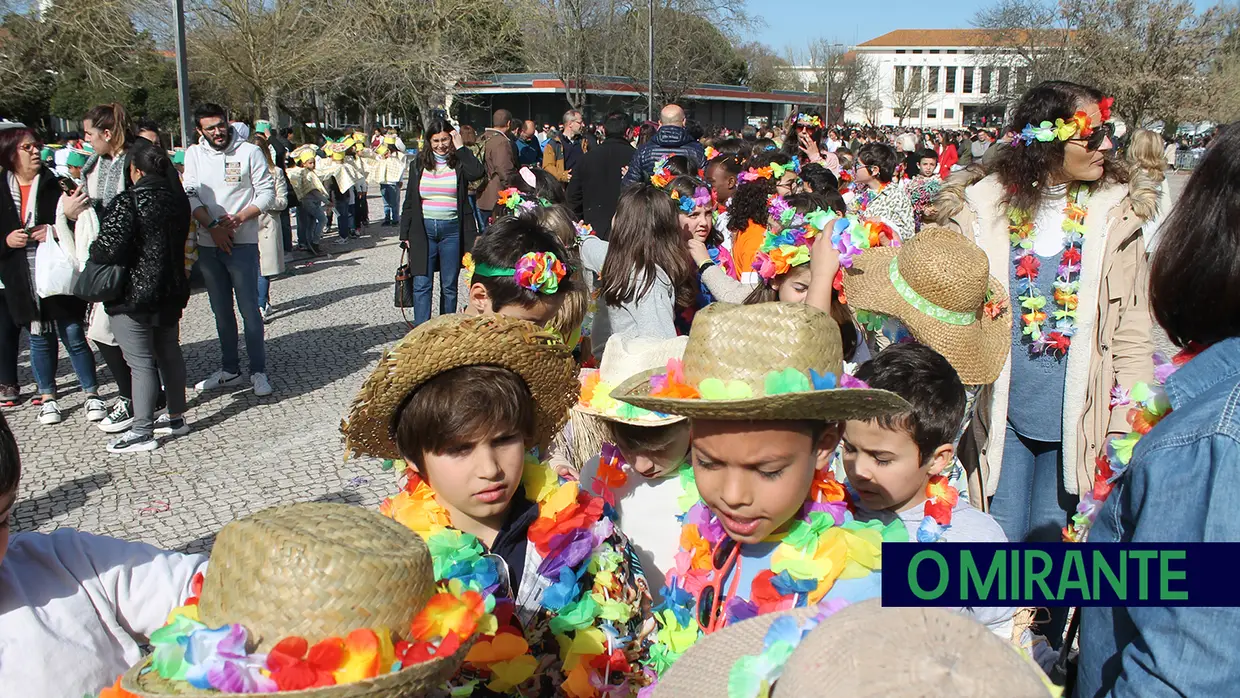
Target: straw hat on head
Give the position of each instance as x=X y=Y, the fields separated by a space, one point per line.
x=315 y=571
x=736 y=352
x=866 y=650
x=453 y=341
x=938 y=284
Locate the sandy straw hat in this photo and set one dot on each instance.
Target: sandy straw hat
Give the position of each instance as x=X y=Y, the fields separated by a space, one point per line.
x=453 y=341
x=866 y=650
x=315 y=571
x=742 y=347
x=938 y=285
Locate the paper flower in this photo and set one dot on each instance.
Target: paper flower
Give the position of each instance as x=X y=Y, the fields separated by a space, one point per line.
x=672 y=384
x=217 y=659
x=115 y=691
x=364 y=656
x=169 y=643
x=447 y=613
x=716 y=389
x=789 y=380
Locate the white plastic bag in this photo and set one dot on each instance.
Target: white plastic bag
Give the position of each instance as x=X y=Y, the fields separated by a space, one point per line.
x=54 y=271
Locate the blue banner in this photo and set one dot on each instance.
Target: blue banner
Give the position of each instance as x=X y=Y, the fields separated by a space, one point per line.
x=1061 y=574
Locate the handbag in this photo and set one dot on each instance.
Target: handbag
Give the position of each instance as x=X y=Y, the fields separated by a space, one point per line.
x=404 y=284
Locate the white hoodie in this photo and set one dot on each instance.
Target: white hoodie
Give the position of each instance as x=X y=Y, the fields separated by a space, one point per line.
x=226 y=182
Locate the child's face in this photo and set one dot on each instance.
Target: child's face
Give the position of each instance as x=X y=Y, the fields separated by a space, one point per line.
x=722 y=182
x=755 y=476
x=695 y=225
x=794 y=287
x=540 y=313
x=661 y=463
x=477 y=481
x=927 y=166
x=789 y=184
x=885 y=466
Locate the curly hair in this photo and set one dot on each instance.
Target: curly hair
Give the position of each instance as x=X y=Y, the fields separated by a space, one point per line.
x=1025 y=170
x=750 y=200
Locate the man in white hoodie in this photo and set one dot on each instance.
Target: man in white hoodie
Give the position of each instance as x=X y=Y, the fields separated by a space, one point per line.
x=229 y=186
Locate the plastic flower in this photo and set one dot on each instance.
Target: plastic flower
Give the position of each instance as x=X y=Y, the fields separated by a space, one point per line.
x=1104 y=106
x=672 y=384
x=447 y=613
x=296 y=666
x=540 y=272
x=115 y=691
x=789 y=380
x=416 y=508
x=217 y=659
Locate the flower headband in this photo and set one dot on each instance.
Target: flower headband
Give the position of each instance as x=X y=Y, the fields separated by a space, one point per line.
x=711 y=153
x=789 y=245
x=511 y=199
x=1077 y=124
x=790 y=380
x=794 y=166
x=663 y=175
x=540 y=272
x=701 y=197
x=753 y=175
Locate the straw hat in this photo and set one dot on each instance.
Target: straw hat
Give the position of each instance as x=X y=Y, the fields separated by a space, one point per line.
x=453 y=341
x=866 y=650
x=315 y=571
x=937 y=284
x=741 y=348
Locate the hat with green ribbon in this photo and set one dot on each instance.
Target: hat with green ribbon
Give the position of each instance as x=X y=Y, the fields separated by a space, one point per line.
x=938 y=285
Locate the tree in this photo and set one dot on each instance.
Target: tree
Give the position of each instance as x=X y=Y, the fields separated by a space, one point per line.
x=562 y=36
x=764 y=69
x=1028 y=38
x=852 y=76
x=908 y=95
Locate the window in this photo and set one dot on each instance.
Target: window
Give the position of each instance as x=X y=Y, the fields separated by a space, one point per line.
x=967 y=88
x=1005 y=80
x=950 y=50
x=950 y=72
x=1022 y=76
x=932 y=78
x=949 y=113
x=916 y=50
x=986 y=73
x=914 y=78
x=933 y=50
x=899 y=86
x=932 y=113
x=913 y=114
x=900 y=50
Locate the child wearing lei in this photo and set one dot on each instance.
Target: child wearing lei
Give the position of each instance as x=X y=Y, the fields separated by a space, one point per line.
x=765 y=526
x=462 y=400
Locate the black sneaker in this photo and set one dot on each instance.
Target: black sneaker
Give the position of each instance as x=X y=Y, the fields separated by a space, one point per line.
x=133 y=443
x=168 y=426
x=119 y=418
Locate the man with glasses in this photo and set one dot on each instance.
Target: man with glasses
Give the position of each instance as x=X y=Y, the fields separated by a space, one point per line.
x=563 y=151
x=229 y=185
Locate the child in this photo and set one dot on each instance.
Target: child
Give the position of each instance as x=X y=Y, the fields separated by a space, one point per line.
x=747 y=214
x=630 y=456
x=647 y=279
x=462 y=400
x=77 y=607
x=518 y=269
x=924 y=187
x=312 y=199
x=759 y=386
x=895 y=463
x=695 y=206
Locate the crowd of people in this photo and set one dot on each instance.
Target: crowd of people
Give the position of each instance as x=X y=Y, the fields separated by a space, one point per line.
x=680 y=391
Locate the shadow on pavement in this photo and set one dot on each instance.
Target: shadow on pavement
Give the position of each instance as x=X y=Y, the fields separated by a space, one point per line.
x=31 y=513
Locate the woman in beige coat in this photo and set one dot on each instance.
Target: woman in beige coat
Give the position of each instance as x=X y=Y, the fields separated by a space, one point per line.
x=1042 y=424
x=270 y=237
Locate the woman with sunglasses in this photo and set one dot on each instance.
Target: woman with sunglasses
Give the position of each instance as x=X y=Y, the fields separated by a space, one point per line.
x=1059 y=220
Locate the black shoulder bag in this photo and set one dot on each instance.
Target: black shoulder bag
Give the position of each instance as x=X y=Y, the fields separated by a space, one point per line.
x=100 y=283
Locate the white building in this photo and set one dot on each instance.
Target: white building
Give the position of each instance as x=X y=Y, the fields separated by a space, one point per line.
x=936 y=78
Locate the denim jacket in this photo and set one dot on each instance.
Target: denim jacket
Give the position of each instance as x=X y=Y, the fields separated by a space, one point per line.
x=1183 y=485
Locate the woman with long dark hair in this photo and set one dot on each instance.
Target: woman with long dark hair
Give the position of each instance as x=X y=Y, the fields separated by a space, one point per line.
x=1180 y=484
x=1060 y=223
x=436 y=222
x=29 y=194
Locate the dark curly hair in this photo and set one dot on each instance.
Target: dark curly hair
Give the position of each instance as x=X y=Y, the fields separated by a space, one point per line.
x=686 y=186
x=1025 y=170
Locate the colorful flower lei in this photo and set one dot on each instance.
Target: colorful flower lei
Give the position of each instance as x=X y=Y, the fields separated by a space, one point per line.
x=589 y=605
x=1032 y=302
x=512 y=200
x=662 y=175
x=754 y=174
x=540 y=272
x=941 y=498
x=1148 y=405
x=216 y=658
x=788 y=244
x=809 y=120
x=778 y=170
x=753 y=676
x=701 y=197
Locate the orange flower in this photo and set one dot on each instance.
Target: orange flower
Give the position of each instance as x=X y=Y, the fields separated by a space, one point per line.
x=115 y=691
x=447 y=613
x=587 y=387
x=825 y=488
x=698 y=548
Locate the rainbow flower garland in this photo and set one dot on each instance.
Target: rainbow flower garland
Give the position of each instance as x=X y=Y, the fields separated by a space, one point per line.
x=662 y=175
x=1076 y=125
x=591 y=607
x=217 y=659
x=753 y=676
x=512 y=200
x=1067 y=278
x=788 y=240
x=540 y=272
x=701 y=197
x=809 y=120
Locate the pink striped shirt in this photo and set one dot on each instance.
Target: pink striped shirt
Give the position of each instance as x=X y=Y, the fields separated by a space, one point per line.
x=438 y=190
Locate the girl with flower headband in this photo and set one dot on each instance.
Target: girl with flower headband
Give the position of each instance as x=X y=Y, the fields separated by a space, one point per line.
x=1065 y=221
x=747 y=214
x=695 y=205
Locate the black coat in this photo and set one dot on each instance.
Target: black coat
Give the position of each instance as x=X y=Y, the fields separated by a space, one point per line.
x=667 y=142
x=413 y=227
x=149 y=241
x=595 y=186
x=15 y=270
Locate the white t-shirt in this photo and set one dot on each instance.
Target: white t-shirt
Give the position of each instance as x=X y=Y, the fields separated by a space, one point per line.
x=1049 y=236
x=74 y=608
x=647 y=509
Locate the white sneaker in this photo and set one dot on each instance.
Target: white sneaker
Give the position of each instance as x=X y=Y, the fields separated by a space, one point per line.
x=262 y=386
x=130 y=442
x=119 y=419
x=219 y=379
x=96 y=409
x=50 y=413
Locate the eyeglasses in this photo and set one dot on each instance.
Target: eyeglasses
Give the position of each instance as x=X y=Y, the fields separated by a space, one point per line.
x=33 y=148
x=710 y=603
x=215 y=127
x=1094 y=141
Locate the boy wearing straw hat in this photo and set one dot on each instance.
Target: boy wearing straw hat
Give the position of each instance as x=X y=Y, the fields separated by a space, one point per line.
x=766 y=526
x=462 y=400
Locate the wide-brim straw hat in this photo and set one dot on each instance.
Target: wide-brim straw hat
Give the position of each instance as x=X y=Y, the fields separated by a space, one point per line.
x=747 y=343
x=937 y=284
x=866 y=650
x=454 y=341
x=315 y=571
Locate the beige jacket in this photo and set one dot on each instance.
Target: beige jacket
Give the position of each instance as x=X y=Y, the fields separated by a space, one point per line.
x=1112 y=343
x=270 y=237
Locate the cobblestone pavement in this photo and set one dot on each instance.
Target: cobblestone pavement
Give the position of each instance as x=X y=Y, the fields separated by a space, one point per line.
x=333 y=318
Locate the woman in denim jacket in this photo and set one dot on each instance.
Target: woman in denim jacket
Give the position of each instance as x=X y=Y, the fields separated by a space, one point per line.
x=1183 y=483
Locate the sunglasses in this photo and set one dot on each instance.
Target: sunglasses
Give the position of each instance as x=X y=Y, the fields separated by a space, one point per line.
x=1094 y=141
x=710 y=602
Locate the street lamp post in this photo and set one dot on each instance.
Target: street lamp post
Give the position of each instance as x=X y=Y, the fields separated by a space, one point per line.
x=650 y=97
x=182 y=71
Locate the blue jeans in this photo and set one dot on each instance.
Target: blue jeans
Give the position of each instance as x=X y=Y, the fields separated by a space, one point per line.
x=391 y=202
x=443 y=252
x=310 y=221
x=344 y=216
x=264 y=291
x=227 y=275
x=45 y=356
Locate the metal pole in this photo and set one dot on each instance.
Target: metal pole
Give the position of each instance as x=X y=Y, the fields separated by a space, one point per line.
x=650 y=98
x=182 y=71
x=827 y=115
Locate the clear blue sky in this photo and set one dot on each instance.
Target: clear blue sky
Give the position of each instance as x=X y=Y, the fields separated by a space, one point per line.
x=850 y=23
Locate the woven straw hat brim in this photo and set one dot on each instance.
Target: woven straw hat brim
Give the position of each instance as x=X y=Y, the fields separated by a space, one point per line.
x=977 y=352
x=413 y=682
x=454 y=341
x=826 y=405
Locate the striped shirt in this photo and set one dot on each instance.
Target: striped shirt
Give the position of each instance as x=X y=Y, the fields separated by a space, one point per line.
x=438 y=190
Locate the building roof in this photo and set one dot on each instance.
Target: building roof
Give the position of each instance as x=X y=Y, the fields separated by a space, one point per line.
x=915 y=38
x=626 y=87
